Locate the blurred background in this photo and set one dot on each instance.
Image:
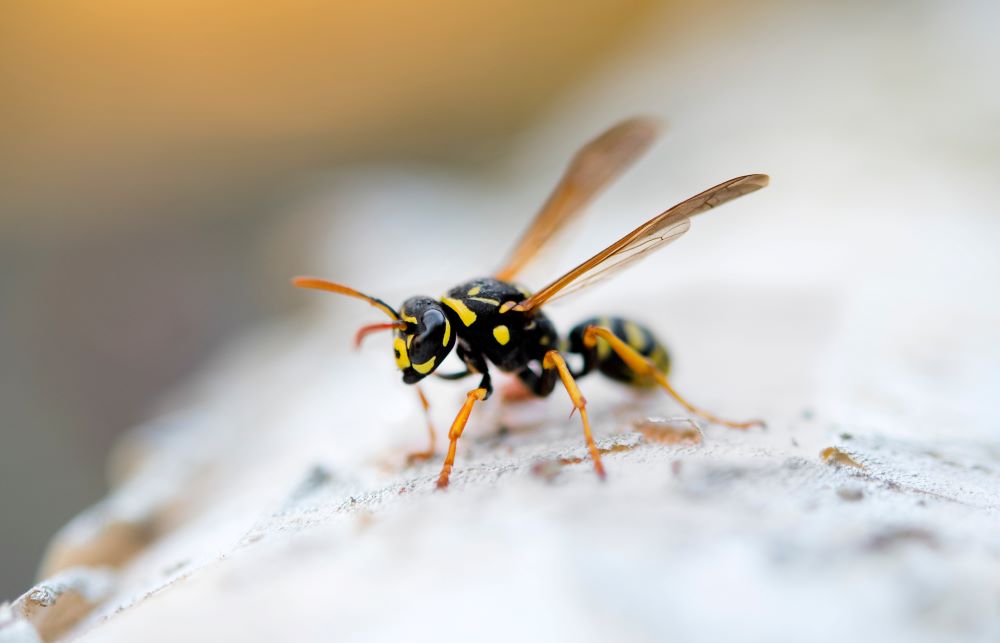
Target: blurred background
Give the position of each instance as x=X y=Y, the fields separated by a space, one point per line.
x=160 y=164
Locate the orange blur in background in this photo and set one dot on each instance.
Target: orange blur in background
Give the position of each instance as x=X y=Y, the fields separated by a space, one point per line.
x=143 y=149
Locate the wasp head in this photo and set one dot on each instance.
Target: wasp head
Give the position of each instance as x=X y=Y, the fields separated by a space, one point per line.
x=425 y=341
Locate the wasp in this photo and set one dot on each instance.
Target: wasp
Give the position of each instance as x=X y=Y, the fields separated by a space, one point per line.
x=493 y=321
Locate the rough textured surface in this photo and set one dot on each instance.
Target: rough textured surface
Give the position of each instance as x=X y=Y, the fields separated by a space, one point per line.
x=756 y=526
x=845 y=304
x=48 y=610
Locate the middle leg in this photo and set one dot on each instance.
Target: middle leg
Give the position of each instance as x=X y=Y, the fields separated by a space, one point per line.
x=553 y=360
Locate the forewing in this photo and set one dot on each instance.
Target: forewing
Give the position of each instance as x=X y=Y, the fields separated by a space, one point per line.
x=593 y=168
x=644 y=240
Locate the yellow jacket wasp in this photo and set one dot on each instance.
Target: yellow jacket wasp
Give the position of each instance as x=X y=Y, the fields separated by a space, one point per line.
x=493 y=321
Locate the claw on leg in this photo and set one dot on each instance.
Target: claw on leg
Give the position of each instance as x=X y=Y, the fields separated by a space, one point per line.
x=644 y=366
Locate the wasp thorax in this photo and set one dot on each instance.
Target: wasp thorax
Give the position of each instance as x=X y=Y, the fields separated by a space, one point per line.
x=425 y=342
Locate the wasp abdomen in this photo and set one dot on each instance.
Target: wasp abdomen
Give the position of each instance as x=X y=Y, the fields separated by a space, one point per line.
x=605 y=360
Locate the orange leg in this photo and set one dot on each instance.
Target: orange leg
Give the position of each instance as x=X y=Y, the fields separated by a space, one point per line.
x=420 y=456
x=554 y=360
x=643 y=366
x=475 y=395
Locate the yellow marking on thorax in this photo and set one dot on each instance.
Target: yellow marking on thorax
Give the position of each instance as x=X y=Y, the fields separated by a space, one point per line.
x=403 y=361
x=474 y=291
x=634 y=336
x=447 y=332
x=467 y=316
x=502 y=334
x=426 y=367
x=507 y=305
x=486 y=300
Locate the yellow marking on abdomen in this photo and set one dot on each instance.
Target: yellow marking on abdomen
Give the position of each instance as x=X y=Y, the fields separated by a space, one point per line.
x=426 y=367
x=603 y=347
x=634 y=336
x=661 y=358
x=502 y=334
x=467 y=316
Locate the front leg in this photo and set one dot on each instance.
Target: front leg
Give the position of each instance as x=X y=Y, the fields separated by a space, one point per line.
x=458 y=426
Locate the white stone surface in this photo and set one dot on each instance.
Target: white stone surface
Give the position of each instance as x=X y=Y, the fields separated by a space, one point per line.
x=851 y=304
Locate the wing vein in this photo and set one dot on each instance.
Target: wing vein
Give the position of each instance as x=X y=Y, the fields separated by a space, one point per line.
x=595 y=166
x=644 y=240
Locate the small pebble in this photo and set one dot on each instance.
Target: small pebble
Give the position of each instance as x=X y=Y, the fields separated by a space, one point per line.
x=851 y=494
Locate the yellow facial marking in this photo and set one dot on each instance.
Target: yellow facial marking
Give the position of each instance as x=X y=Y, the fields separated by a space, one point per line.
x=426 y=367
x=467 y=316
x=486 y=300
x=447 y=332
x=402 y=358
x=474 y=291
x=634 y=336
x=502 y=334
x=507 y=305
x=409 y=318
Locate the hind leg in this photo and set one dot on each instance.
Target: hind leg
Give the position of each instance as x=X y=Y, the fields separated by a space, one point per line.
x=643 y=366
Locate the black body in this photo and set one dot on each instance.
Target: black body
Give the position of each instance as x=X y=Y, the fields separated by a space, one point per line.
x=481 y=317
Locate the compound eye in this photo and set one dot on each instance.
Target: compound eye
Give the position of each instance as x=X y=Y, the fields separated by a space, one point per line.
x=431 y=320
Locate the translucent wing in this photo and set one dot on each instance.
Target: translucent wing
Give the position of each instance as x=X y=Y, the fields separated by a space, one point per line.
x=647 y=238
x=586 y=277
x=594 y=167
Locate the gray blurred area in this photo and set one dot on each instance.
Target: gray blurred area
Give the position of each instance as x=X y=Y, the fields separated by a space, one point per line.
x=147 y=154
x=94 y=330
